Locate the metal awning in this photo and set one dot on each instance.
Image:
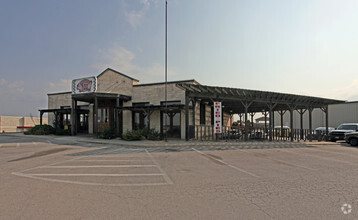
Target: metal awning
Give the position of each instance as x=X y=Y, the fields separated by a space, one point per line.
x=233 y=99
x=90 y=97
x=170 y=107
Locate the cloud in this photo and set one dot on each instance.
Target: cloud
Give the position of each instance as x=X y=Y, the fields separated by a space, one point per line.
x=63 y=85
x=8 y=88
x=345 y=92
x=135 y=16
x=123 y=60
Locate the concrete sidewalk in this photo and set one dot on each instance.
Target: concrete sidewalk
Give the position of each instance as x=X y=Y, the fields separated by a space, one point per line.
x=169 y=143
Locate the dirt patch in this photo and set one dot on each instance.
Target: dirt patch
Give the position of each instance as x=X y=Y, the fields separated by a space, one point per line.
x=40 y=154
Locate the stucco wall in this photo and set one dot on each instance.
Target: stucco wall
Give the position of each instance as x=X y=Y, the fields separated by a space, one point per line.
x=111 y=82
x=10 y=123
x=156 y=93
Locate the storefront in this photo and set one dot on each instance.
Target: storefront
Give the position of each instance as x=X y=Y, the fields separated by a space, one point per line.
x=115 y=100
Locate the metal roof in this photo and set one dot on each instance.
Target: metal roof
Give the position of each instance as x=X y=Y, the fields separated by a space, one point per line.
x=233 y=99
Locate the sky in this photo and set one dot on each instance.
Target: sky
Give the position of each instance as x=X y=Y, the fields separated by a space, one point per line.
x=306 y=47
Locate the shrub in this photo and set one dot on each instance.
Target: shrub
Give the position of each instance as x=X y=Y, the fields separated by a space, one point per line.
x=41 y=130
x=149 y=134
x=108 y=133
x=134 y=135
x=154 y=135
x=60 y=131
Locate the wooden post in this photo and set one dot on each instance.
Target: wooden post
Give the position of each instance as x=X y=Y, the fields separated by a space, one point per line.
x=187 y=100
x=95 y=116
x=310 y=109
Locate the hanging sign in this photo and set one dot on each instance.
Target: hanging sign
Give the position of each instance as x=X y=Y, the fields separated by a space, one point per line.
x=84 y=85
x=217 y=117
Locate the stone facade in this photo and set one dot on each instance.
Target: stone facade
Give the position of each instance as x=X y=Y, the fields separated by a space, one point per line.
x=113 y=82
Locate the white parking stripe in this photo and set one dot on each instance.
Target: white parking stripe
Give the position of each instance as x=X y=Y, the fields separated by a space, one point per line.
x=100 y=166
x=86 y=183
x=47 y=176
x=109 y=160
x=166 y=177
x=229 y=165
x=97 y=174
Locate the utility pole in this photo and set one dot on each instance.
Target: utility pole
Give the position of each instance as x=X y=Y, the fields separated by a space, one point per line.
x=166 y=69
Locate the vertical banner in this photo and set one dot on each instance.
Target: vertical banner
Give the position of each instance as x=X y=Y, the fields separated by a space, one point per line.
x=217 y=117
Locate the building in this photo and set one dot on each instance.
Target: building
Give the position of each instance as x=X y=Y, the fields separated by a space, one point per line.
x=115 y=100
x=18 y=124
x=338 y=114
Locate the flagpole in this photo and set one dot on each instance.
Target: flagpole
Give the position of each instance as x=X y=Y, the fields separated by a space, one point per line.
x=166 y=68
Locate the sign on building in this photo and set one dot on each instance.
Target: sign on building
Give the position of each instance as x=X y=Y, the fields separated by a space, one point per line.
x=217 y=117
x=84 y=85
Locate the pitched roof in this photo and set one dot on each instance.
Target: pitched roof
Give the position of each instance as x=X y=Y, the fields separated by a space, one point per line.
x=169 y=82
x=117 y=73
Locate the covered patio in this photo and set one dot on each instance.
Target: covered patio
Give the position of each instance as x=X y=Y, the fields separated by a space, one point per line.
x=246 y=102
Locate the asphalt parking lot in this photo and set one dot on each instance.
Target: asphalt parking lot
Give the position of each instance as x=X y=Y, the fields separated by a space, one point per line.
x=41 y=180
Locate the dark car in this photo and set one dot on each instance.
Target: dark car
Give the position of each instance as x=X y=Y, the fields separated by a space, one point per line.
x=352 y=138
x=342 y=130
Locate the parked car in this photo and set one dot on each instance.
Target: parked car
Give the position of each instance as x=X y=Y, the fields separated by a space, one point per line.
x=285 y=131
x=352 y=138
x=342 y=130
x=322 y=130
x=320 y=133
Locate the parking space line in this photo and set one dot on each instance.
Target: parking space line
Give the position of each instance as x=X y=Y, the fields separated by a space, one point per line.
x=229 y=165
x=148 y=157
x=86 y=183
x=166 y=177
x=97 y=174
x=285 y=162
x=100 y=166
x=112 y=160
x=320 y=157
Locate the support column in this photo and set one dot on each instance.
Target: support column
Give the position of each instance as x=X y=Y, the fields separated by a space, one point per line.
x=187 y=100
x=271 y=106
x=74 y=117
x=116 y=113
x=291 y=107
x=291 y=123
x=325 y=110
x=246 y=105
x=310 y=109
x=265 y=113
x=95 y=116
x=41 y=114
x=281 y=112
x=301 y=112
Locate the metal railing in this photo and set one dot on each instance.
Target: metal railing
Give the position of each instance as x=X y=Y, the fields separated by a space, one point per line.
x=206 y=133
